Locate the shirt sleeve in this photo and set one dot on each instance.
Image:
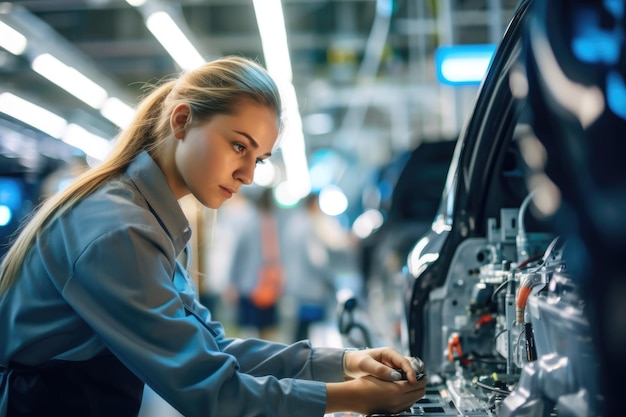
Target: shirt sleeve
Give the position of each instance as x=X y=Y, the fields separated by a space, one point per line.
x=299 y=360
x=316 y=364
x=122 y=286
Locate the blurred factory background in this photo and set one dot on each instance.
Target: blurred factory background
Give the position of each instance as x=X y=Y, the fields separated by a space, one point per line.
x=364 y=74
x=370 y=86
x=378 y=93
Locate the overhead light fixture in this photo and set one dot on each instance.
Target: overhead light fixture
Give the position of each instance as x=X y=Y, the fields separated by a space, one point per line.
x=54 y=125
x=58 y=61
x=117 y=112
x=460 y=65
x=293 y=146
x=269 y=16
x=12 y=40
x=174 y=40
x=92 y=145
x=70 y=79
x=32 y=115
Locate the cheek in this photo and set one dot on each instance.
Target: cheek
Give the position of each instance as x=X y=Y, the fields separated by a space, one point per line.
x=193 y=158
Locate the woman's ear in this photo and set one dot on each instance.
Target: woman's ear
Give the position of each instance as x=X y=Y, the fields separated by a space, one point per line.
x=179 y=120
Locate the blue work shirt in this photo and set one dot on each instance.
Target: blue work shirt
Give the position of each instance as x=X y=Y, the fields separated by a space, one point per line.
x=105 y=275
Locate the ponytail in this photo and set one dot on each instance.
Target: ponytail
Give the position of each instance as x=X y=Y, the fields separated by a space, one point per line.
x=216 y=87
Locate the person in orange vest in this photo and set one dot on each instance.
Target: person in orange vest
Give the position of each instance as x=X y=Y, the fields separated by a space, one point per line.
x=256 y=272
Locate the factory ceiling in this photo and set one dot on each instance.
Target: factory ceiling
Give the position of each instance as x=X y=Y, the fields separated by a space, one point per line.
x=365 y=80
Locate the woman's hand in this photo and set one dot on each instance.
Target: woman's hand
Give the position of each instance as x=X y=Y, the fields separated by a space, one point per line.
x=382 y=363
x=368 y=395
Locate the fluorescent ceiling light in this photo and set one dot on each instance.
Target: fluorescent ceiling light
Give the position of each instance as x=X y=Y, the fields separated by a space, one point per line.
x=117 y=112
x=70 y=80
x=293 y=147
x=55 y=59
x=173 y=40
x=463 y=64
x=270 y=19
x=92 y=145
x=54 y=125
x=269 y=16
x=32 y=115
x=12 y=40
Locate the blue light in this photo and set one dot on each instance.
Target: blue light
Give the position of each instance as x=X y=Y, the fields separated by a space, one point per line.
x=10 y=193
x=615 y=7
x=591 y=42
x=5 y=215
x=325 y=165
x=384 y=7
x=463 y=64
x=385 y=189
x=616 y=94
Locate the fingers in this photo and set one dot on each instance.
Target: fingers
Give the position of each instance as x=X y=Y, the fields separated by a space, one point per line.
x=412 y=394
x=376 y=363
x=417 y=372
x=405 y=368
x=410 y=369
x=391 y=397
x=386 y=364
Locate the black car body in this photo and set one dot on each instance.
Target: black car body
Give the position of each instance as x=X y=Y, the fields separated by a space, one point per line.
x=492 y=305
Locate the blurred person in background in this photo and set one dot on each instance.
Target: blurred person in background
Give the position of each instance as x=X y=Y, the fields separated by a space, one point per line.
x=311 y=236
x=223 y=231
x=255 y=271
x=94 y=302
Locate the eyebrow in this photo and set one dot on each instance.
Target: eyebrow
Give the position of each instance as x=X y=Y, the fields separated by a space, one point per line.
x=253 y=142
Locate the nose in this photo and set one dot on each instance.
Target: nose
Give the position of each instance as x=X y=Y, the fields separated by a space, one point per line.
x=245 y=174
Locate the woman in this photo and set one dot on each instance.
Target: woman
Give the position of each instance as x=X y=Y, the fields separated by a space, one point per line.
x=93 y=303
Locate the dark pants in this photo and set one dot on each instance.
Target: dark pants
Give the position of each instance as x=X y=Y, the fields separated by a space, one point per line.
x=253 y=316
x=101 y=386
x=307 y=315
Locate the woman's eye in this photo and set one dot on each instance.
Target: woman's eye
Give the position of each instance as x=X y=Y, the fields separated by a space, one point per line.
x=260 y=161
x=239 y=147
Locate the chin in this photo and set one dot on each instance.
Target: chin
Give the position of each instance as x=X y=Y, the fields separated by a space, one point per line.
x=212 y=203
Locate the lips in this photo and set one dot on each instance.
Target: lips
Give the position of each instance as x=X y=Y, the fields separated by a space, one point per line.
x=227 y=192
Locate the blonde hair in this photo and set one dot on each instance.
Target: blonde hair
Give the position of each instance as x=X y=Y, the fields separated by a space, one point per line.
x=215 y=88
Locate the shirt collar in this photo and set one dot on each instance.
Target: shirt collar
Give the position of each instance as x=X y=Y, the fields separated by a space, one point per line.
x=152 y=184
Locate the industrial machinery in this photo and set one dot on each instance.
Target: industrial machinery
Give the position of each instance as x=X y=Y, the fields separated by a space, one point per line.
x=495 y=302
